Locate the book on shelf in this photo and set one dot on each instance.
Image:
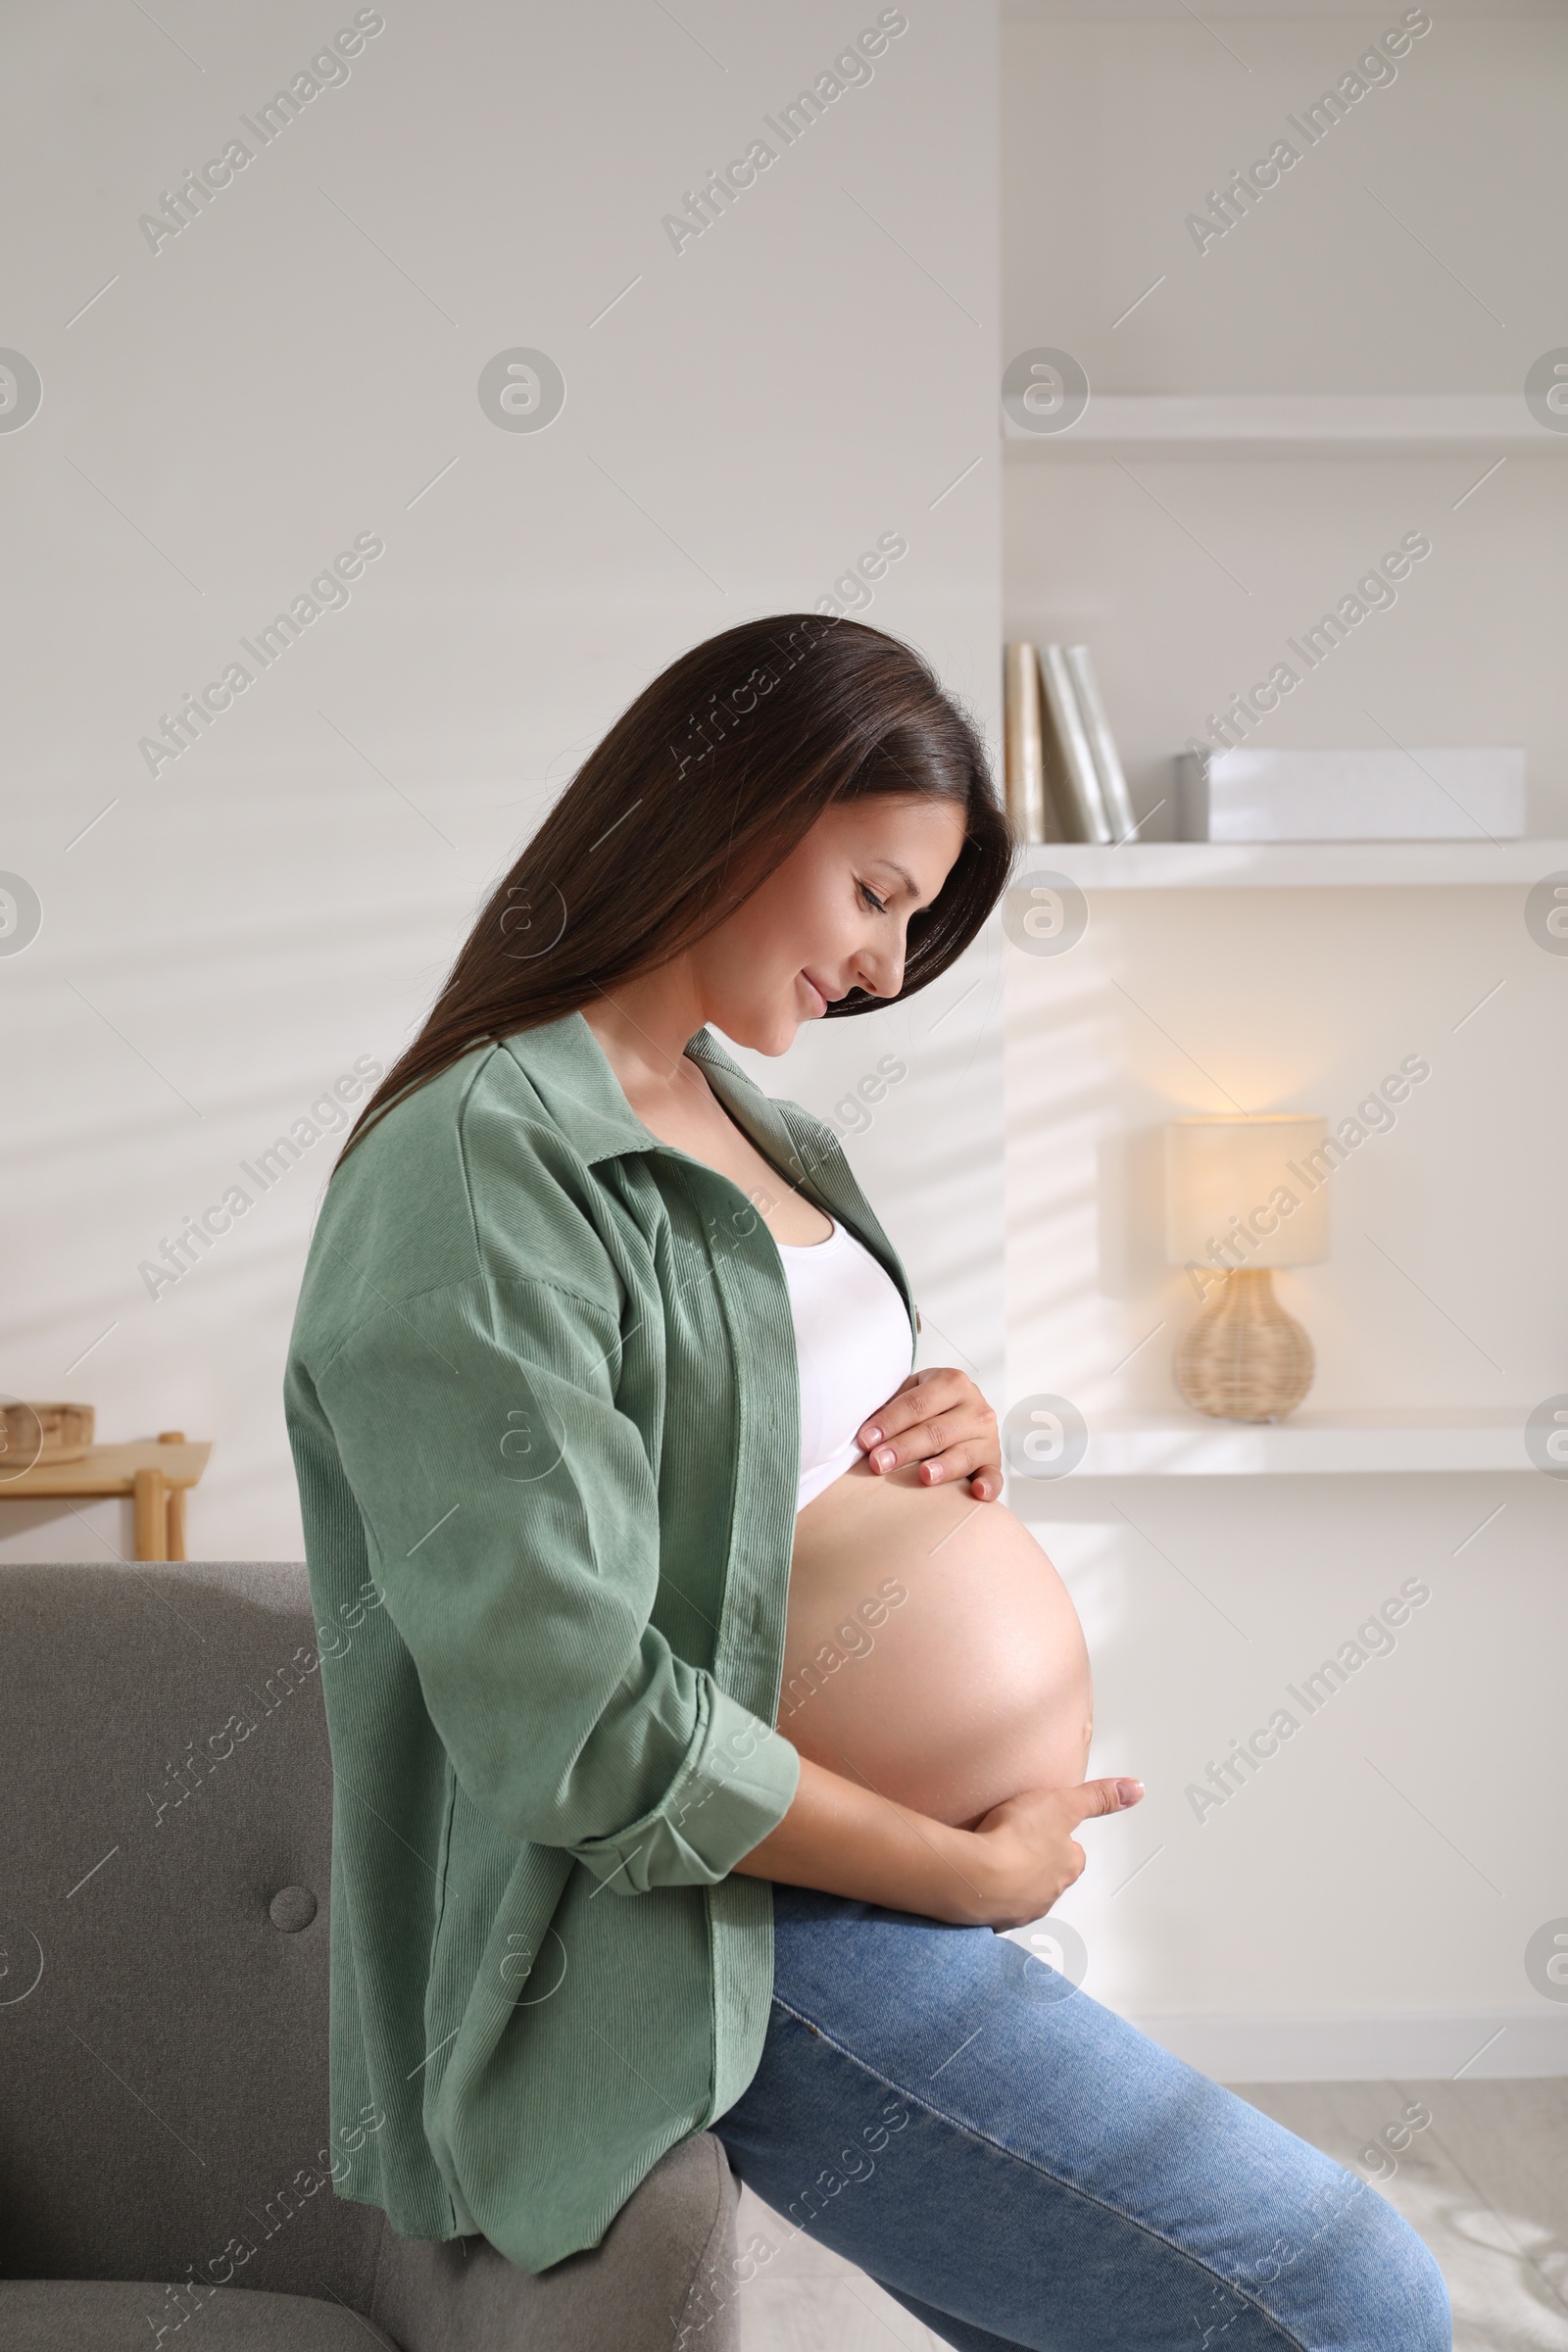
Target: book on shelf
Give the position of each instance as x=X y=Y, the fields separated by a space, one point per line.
x=1029 y=802
x=1064 y=781
x=1115 y=798
x=1070 y=761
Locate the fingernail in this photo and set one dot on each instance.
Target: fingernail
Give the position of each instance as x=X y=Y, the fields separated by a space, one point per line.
x=1129 y=1792
x=871 y=1435
x=885 y=1458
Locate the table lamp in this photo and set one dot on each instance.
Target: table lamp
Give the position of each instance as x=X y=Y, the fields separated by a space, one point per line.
x=1243 y=1196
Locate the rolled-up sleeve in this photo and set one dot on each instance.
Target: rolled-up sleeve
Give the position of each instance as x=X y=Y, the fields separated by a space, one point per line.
x=512 y=1515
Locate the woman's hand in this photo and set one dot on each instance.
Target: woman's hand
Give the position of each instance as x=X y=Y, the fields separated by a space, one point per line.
x=939 y=1419
x=1005 y=1871
x=1022 y=1855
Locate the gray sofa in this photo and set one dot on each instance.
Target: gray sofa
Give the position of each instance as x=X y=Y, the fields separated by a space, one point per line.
x=163 y=2018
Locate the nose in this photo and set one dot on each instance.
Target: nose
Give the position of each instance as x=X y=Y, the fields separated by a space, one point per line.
x=880 y=973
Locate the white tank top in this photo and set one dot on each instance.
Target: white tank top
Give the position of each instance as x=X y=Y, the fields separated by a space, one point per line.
x=851 y=1337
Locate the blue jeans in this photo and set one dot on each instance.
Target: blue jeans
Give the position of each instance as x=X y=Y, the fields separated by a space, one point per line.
x=1015 y=2164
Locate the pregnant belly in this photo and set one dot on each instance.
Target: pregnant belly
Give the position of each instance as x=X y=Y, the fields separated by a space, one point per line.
x=932 y=1653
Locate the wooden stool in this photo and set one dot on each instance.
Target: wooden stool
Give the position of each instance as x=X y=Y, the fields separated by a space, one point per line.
x=156 y=1477
x=160 y=1509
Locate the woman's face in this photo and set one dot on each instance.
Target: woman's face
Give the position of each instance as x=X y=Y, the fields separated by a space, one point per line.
x=831 y=918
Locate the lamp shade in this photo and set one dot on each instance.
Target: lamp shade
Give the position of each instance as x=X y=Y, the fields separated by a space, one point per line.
x=1246 y=1191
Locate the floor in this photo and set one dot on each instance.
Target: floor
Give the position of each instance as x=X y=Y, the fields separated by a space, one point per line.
x=1485 y=2181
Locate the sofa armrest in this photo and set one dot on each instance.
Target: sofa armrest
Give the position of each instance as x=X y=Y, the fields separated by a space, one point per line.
x=661 y=2280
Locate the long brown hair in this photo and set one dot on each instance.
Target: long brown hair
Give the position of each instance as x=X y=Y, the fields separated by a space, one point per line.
x=702 y=787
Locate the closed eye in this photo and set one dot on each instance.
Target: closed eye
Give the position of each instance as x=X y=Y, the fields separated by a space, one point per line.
x=872 y=900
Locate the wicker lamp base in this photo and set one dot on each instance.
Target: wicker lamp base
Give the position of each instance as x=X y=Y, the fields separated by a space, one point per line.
x=1245 y=1358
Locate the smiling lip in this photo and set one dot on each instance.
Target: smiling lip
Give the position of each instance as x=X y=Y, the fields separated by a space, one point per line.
x=815 y=991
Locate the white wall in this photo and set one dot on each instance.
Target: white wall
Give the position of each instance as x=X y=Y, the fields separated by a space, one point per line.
x=1363 y=1905
x=743 y=418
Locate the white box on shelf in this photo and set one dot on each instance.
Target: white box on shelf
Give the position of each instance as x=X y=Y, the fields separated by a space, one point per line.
x=1388 y=795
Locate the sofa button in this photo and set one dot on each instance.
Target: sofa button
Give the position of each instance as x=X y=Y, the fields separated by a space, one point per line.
x=292 y=1908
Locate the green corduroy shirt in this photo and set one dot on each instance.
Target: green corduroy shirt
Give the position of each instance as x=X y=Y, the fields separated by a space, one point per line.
x=542 y=1396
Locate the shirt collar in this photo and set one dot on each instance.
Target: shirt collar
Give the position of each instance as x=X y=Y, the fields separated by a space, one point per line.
x=574 y=1081
x=569 y=1070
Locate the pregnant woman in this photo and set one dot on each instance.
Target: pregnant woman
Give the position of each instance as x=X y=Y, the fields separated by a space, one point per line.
x=705 y=1711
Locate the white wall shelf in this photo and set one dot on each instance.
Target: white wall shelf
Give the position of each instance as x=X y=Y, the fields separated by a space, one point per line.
x=1292 y=864
x=1184 y=1444
x=1257 y=423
